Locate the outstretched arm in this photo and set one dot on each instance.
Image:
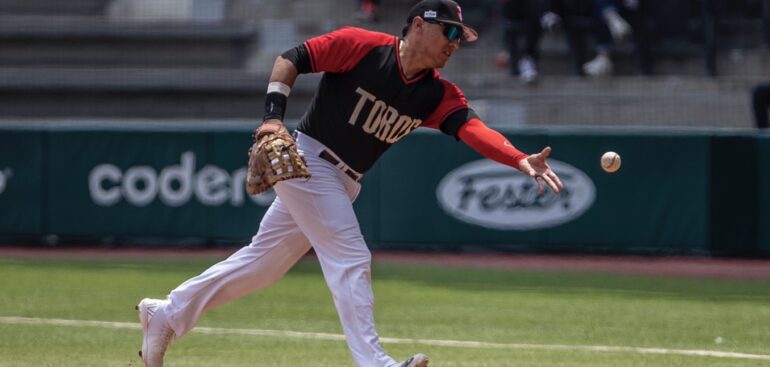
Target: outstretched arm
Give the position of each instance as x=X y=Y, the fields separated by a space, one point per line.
x=496 y=147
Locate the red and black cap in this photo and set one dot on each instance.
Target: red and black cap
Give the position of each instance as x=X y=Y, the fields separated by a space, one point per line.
x=442 y=11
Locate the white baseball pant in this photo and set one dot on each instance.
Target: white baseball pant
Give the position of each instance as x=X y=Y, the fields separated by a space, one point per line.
x=316 y=211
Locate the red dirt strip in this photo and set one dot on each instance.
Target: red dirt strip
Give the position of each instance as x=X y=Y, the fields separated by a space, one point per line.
x=697 y=267
x=680 y=266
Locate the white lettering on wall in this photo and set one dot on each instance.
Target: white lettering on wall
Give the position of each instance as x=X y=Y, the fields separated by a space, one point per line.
x=174 y=185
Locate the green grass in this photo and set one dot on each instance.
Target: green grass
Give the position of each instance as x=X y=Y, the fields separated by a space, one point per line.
x=543 y=308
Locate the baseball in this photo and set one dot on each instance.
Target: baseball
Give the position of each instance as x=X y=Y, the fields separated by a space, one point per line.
x=610 y=162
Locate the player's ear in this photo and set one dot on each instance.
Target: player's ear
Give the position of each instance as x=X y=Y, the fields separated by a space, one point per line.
x=418 y=24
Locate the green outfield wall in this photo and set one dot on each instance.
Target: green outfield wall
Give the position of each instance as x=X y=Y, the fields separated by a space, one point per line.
x=763 y=225
x=678 y=192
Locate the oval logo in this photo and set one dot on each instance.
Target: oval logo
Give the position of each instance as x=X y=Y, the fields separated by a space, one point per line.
x=493 y=195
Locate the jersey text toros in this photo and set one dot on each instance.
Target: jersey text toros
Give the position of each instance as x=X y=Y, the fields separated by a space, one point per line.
x=383 y=121
x=365 y=103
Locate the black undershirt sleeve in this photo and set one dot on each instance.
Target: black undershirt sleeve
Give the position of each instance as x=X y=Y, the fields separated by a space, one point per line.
x=451 y=125
x=300 y=58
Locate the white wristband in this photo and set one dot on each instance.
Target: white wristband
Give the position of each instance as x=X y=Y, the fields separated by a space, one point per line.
x=279 y=87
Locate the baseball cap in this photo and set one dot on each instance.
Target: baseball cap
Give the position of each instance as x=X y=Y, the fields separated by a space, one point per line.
x=442 y=11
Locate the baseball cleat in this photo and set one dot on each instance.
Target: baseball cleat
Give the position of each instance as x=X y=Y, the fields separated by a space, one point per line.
x=527 y=69
x=618 y=26
x=157 y=333
x=418 y=360
x=601 y=65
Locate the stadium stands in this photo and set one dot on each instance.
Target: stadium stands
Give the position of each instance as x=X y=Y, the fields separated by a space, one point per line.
x=69 y=59
x=86 y=59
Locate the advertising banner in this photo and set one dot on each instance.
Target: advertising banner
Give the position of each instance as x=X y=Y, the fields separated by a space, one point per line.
x=763 y=168
x=674 y=192
x=656 y=202
x=163 y=183
x=21 y=180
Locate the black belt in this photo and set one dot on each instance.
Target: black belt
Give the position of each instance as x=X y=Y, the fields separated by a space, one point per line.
x=331 y=159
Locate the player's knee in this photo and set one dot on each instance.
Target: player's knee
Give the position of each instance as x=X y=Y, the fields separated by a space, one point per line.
x=357 y=254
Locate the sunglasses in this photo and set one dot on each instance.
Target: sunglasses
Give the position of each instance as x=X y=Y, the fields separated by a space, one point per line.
x=451 y=31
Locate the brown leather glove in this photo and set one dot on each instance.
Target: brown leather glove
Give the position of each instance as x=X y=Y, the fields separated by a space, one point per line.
x=272 y=158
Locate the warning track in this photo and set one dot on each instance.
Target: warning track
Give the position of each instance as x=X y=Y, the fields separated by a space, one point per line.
x=680 y=266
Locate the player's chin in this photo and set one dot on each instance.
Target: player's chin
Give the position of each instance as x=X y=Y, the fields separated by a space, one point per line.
x=440 y=63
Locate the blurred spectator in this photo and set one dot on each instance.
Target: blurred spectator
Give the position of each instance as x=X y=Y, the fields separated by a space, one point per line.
x=760 y=101
x=610 y=27
x=368 y=10
x=524 y=21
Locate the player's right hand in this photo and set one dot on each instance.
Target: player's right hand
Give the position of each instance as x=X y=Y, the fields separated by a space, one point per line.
x=535 y=166
x=270 y=126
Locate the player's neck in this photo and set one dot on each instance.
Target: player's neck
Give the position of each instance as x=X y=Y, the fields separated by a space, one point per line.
x=409 y=60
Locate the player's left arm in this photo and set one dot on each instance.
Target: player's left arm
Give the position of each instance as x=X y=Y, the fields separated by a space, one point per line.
x=337 y=52
x=282 y=79
x=495 y=146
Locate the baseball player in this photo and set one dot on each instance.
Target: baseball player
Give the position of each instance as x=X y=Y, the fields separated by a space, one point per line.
x=375 y=90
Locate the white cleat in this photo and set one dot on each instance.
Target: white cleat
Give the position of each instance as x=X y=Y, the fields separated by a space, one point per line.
x=601 y=65
x=418 y=360
x=156 y=330
x=619 y=28
x=527 y=70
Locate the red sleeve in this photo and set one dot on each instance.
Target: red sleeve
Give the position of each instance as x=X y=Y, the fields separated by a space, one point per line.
x=490 y=143
x=453 y=100
x=341 y=50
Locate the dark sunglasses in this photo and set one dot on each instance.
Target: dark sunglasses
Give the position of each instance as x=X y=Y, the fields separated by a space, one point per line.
x=451 y=31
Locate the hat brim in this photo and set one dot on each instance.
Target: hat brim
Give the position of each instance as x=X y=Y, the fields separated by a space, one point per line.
x=469 y=34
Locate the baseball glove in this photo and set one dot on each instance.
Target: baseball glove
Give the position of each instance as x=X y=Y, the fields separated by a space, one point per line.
x=272 y=158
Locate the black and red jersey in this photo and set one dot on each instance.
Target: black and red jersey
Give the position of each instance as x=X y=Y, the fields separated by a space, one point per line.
x=364 y=103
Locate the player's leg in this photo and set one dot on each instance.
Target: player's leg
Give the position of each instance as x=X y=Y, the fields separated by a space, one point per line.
x=278 y=245
x=322 y=208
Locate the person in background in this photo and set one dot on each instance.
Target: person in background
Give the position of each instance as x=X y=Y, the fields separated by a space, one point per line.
x=524 y=20
x=760 y=102
x=611 y=28
x=368 y=10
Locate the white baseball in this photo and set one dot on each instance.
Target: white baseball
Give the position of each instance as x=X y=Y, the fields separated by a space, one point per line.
x=610 y=162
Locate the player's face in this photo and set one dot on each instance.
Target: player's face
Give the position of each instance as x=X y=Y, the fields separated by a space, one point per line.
x=439 y=47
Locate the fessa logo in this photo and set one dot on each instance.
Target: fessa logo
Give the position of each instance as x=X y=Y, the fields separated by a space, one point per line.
x=493 y=195
x=174 y=185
